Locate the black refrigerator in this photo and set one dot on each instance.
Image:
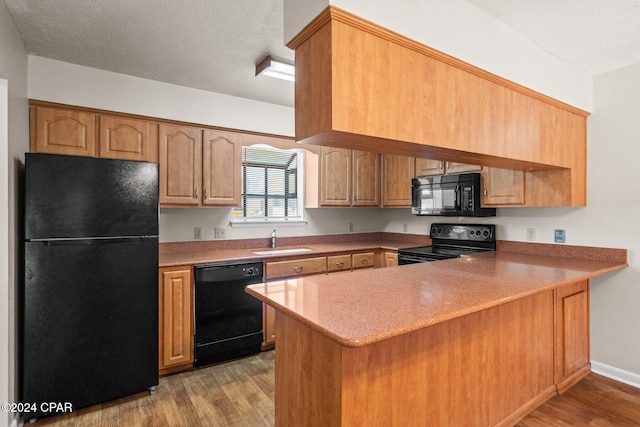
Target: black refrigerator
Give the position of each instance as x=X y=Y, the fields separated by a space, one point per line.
x=89 y=300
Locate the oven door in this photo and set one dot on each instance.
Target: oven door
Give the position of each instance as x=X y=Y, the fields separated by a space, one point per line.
x=435 y=198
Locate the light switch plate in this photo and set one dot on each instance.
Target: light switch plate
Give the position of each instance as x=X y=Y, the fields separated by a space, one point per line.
x=559 y=236
x=219 y=233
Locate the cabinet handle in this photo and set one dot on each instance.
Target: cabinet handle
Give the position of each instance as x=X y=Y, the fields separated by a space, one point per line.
x=339 y=264
x=297 y=269
x=205 y=194
x=447 y=165
x=485 y=192
x=364 y=261
x=196 y=193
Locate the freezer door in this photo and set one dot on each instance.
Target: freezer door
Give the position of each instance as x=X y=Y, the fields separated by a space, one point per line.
x=89 y=321
x=76 y=197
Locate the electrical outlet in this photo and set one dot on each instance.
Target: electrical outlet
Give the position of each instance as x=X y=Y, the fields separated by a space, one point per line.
x=559 y=236
x=350 y=227
x=197 y=233
x=219 y=233
x=531 y=234
x=404 y=227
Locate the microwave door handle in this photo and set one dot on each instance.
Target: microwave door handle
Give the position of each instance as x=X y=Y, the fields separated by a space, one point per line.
x=458 y=197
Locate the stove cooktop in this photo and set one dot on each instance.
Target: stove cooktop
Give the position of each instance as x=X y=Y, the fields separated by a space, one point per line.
x=453 y=241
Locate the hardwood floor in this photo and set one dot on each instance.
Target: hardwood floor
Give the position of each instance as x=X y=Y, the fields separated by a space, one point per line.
x=594 y=401
x=237 y=393
x=241 y=393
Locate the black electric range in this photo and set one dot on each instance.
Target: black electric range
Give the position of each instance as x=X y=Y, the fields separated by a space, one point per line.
x=451 y=241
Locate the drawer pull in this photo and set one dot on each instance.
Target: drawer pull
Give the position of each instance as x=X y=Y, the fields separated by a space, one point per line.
x=340 y=264
x=364 y=261
x=297 y=269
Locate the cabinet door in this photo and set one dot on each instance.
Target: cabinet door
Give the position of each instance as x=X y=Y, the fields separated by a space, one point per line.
x=572 y=333
x=175 y=317
x=502 y=187
x=221 y=168
x=126 y=138
x=62 y=131
x=455 y=167
x=366 y=178
x=390 y=258
x=429 y=167
x=398 y=171
x=180 y=165
x=335 y=177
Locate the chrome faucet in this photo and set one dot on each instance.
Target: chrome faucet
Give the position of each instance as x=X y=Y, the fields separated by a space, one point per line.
x=273 y=239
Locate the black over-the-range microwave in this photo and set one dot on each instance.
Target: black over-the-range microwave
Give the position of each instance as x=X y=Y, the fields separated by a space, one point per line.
x=448 y=195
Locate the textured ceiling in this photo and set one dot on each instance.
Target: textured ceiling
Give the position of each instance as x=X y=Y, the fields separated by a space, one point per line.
x=204 y=44
x=214 y=44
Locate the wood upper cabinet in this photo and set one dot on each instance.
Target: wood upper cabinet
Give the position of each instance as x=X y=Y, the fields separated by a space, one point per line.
x=438 y=167
x=366 y=178
x=175 y=318
x=572 y=334
x=128 y=139
x=77 y=132
x=441 y=106
x=502 y=187
x=397 y=173
x=221 y=168
x=180 y=165
x=335 y=177
x=63 y=131
x=349 y=177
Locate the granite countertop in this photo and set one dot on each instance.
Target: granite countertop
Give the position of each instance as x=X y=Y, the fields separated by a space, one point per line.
x=239 y=254
x=367 y=306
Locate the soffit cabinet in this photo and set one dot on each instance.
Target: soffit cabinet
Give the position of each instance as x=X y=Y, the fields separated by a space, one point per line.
x=361 y=86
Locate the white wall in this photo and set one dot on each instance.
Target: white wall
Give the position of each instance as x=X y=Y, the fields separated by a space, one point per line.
x=57 y=81
x=14 y=131
x=460 y=29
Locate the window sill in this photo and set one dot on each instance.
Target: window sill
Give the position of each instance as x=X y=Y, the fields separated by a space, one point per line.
x=266 y=222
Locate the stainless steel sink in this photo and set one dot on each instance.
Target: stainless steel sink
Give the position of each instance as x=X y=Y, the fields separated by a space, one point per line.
x=282 y=251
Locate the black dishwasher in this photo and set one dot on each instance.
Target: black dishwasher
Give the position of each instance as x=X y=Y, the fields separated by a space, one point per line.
x=228 y=321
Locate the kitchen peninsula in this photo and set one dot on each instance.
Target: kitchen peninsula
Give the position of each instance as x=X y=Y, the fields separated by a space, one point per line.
x=479 y=340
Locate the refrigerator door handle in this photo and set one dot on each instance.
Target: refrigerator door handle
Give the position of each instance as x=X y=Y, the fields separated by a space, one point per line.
x=94 y=241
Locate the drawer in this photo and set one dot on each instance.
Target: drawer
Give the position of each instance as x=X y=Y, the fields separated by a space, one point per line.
x=338 y=263
x=363 y=260
x=296 y=267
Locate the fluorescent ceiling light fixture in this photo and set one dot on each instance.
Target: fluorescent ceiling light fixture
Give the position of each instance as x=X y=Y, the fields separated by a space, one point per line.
x=278 y=69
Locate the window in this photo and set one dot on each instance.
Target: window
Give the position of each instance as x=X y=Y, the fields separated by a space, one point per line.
x=271 y=183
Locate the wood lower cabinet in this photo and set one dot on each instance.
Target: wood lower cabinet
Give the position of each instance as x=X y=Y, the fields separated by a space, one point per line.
x=502 y=187
x=572 y=334
x=363 y=260
x=390 y=258
x=63 y=131
x=175 y=318
x=338 y=263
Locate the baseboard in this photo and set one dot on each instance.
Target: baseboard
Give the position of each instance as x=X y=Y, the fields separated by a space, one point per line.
x=616 y=374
